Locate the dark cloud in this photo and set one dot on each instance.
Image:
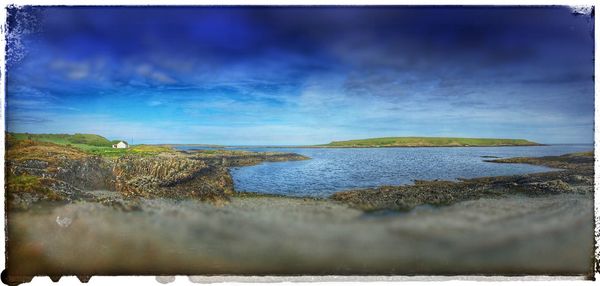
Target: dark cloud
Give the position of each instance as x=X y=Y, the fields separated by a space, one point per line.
x=328 y=65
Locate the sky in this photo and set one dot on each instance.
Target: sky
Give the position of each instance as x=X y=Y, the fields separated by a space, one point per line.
x=301 y=75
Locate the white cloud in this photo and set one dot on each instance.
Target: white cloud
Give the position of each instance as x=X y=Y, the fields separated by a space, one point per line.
x=151 y=73
x=90 y=68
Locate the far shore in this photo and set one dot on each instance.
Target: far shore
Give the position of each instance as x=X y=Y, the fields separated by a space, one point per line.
x=391 y=142
x=345 y=147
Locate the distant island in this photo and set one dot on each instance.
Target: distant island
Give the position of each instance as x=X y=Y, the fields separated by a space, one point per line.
x=98 y=145
x=428 y=142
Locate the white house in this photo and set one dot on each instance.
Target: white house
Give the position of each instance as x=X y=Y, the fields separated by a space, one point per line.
x=121 y=144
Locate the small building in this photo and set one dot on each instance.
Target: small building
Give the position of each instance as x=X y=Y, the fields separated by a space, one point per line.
x=121 y=145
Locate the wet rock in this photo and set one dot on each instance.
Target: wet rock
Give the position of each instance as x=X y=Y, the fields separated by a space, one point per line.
x=244 y=158
x=578 y=179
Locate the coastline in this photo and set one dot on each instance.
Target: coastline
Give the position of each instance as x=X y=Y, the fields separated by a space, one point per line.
x=300 y=142
x=574 y=174
x=65 y=173
x=473 y=214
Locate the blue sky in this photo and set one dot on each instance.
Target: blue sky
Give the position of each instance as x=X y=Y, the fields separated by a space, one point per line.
x=300 y=75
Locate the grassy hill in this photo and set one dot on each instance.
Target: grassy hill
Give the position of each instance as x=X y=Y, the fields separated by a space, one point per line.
x=89 y=143
x=429 y=142
x=63 y=139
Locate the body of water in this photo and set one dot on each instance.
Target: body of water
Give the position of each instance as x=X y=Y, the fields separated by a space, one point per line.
x=336 y=169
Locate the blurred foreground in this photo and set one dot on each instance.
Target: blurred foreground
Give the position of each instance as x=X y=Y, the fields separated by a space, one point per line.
x=275 y=235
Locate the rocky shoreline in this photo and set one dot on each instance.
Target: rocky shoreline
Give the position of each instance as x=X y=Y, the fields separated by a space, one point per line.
x=575 y=175
x=38 y=171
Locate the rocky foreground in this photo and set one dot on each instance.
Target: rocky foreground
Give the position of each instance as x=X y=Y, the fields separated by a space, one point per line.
x=38 y=171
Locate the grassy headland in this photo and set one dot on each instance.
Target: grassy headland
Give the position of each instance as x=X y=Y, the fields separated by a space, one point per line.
x=64 y=139
x=429 y=142
x=89 y=143
x=51 y=167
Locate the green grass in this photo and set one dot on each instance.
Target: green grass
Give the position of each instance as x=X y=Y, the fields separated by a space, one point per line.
x=29 y=184
x=582 y=154
x=24 y=183
x=429 y=142
x=90 y=143
x=63 y=139
x=143 y=150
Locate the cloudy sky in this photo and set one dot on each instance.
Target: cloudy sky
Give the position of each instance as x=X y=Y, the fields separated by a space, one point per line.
x=299 y=75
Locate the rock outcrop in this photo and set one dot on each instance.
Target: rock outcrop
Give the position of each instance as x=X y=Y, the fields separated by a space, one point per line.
x=41 y=171
x=171 y=176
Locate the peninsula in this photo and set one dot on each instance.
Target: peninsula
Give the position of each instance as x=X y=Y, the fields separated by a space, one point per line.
x=428 y=142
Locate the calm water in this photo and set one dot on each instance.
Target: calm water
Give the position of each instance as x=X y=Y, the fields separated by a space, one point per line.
x=332 y=170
